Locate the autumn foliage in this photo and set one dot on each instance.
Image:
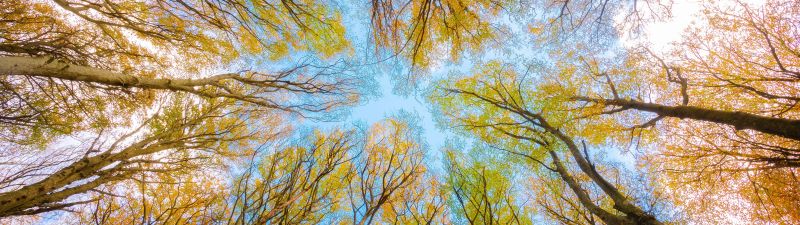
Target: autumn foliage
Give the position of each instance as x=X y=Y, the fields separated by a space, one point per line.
x=542 y=111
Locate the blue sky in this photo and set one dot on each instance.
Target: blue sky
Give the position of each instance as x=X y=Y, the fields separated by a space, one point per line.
x=390 y=103
x=389 y=73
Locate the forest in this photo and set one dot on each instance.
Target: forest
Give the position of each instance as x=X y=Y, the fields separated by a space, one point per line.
x=400 y=112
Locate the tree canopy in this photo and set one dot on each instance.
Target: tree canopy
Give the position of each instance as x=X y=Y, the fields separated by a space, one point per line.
x=521 y=112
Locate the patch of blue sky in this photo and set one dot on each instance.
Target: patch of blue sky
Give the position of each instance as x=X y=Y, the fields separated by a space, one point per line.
x=388 y=92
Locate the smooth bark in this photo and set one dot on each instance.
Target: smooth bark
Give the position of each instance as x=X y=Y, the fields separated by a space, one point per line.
x=786 y=128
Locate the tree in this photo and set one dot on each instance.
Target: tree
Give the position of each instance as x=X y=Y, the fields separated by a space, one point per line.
x=740 y=105
x=324 y=177
x=83 y=68
x=482 y=194
x=419 y=30
x=298 y=184
x=157 y=198
x=498 y=104
x=422 y=203
x=169 y=141
x=593 y=22
x=55 y=71
x=388 y=181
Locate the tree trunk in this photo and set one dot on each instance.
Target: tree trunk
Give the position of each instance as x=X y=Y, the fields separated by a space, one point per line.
x=786 y=128
x=53 y=68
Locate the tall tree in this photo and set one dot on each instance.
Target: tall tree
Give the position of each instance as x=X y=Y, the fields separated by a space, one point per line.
x=187 y=198
x=61 y=59
x=298 y=184
x=388 y=180
x=498 y=102
x=727 y=114
x=482 y=191
x=325 y=177
x=174 y=139
x=425 y=32
x=98 y=68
